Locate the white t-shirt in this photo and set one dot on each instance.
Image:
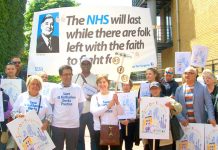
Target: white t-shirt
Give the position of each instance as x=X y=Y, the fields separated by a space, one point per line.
x=66 y=109
x=26 y=103
x=91 y=80
x=99 y=108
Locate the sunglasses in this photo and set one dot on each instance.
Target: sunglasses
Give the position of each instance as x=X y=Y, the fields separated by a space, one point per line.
x=16 y=62
x=167 y=72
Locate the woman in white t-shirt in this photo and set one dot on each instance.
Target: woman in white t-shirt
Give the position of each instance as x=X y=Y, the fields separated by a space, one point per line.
x=105 y=108
x=32 y=100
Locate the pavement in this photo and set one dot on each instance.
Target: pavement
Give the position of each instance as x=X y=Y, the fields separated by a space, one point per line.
x=87 y=143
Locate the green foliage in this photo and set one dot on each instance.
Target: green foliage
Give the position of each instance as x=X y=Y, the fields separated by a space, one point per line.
x=55 y=79
x=39 y=5
x=11 y=29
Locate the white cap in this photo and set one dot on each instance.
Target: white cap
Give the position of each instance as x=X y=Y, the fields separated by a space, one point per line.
x=86 y=59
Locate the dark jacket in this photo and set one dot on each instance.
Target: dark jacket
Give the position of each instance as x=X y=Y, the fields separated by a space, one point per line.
x=43 y=48
x=5 y=107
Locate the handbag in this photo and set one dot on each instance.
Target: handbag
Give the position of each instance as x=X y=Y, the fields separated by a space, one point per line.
x=176 y=129
x=110 y=135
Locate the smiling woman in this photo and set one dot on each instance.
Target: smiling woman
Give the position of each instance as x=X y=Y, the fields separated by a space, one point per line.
x=105 y=108
x=32 y=100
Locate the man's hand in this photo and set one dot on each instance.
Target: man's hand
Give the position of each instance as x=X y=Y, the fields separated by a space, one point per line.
x=213 y=122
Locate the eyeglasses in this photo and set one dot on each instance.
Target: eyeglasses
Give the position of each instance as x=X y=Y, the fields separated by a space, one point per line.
x=16 y=62
x=167 y=72
x=188 y=73
x=67 y=74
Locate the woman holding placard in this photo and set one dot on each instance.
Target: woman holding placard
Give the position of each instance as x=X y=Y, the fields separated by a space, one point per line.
x=105 y=108
x=32 y=100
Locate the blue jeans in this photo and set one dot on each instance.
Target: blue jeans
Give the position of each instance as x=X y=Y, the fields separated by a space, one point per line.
x=86 y=119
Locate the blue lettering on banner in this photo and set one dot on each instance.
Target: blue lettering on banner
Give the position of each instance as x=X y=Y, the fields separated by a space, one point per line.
x=66 y=99
x=38 y=68
x=97 y=19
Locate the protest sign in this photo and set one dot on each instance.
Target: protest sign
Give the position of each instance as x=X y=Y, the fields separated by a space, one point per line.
x=121 y=67
x=211 y=137
x=128 y=103
x=12 y=87
x=193 y=138
x=145 y=89
x=46 y=88
x=154 y=118
x=95 y=32
x=28 y=134
x=199 y=56
x=1 y=108
x=182 y=61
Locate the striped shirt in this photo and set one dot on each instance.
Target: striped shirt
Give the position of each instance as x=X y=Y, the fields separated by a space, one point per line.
x=189 y=103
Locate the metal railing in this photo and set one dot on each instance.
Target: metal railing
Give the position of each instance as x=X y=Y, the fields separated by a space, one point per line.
x=164 y=34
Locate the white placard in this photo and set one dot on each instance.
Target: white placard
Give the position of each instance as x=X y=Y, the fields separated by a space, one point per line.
x=95 y=32
x=193 y=138
x=46 y=88
x=28 y=134
x=1 y=107
x=211 y=137
x=182 y=61
x=145 y=89
x=121 y=67
x=199 y=56
x=128 y=103
x=154 y=118
x=12 y=87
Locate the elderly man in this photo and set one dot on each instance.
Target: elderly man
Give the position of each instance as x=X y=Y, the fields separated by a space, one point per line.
x=87 y=81
x=169 y=83
x=195 y=100
x=47 y=43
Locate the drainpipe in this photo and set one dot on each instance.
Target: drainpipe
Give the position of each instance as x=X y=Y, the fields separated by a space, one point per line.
x=177 y=26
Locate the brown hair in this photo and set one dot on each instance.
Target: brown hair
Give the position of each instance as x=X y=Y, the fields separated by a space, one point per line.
x=156 y=73
x=102 y=76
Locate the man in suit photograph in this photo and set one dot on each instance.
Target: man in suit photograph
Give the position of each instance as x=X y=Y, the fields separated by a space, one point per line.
x=46 y=42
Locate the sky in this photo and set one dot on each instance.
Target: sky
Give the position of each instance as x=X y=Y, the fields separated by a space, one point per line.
x=105 y=2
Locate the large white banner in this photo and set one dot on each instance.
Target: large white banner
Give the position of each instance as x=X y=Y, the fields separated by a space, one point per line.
x=154 y=118
x=28 y=134
x=66 y=35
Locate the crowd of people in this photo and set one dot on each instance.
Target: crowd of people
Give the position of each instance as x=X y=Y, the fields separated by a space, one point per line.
x=84 y=99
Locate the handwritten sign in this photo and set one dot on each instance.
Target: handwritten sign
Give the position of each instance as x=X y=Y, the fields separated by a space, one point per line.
x=154 y=118
x=28 y=134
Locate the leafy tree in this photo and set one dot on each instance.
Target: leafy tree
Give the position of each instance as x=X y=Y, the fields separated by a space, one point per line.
x=11 y=29
x=39 y=5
